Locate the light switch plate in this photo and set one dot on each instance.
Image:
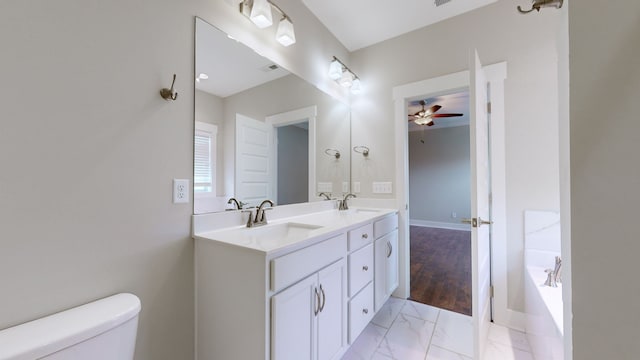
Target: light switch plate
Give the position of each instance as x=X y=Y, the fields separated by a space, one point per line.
x=345 y=186
x=356 y=187
x=180 y=191
x=382 y=187
x=325 y=187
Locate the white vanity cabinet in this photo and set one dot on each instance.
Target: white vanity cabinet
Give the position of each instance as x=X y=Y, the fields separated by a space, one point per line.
x=302 y=300
x=308 y=317
x=386 y=259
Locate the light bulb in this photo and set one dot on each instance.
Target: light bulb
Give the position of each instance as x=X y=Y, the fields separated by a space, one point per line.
x=261 y=14
x=335 y=70
x=285 y=34
x=355 y=86
x=346 y=80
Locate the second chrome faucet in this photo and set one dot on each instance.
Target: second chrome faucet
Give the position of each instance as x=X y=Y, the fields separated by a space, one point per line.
x=342 y=204
x=260 y=217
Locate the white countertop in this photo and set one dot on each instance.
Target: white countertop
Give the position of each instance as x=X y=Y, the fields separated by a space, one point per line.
x=291 y=233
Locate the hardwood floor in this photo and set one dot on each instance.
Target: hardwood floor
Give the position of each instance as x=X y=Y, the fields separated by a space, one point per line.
x=441 y=268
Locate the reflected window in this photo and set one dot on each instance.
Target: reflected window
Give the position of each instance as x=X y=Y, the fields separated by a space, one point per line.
x=204 y=173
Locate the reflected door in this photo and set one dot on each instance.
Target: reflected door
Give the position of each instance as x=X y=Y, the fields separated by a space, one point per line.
x=253 y=162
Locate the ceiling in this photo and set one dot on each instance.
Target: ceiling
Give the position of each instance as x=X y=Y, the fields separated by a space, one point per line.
x=451 y=103
x=360 y=23
x=231 y=66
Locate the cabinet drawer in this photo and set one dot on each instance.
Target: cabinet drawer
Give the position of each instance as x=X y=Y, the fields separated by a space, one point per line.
x=360 y=312
x=292 y=267
x=385 y=226
x=360 y=237
x=360 y=269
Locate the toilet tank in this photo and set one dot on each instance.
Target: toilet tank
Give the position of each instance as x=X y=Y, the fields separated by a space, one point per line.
x=101 y=330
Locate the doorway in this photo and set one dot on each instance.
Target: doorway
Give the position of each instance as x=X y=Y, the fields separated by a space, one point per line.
x=489 y=279
x=439 y=192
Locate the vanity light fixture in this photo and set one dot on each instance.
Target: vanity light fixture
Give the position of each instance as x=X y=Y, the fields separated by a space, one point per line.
x=259 y=12
x=339 y=72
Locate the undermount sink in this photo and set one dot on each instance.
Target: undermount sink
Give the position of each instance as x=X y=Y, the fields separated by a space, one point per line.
x=271 y=236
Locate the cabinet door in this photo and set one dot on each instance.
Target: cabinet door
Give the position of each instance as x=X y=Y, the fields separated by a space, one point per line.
x=392 y=280
x=386 y=267
x=332 y=315
x=293 y=321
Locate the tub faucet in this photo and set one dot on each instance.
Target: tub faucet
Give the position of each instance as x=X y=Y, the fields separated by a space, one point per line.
x=343 y=203
x=557 y=271
x=551 y=278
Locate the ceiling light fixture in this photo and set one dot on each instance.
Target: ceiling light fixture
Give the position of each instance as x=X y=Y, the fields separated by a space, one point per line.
x=202 y=76
x=259 y=12
x=339 y=72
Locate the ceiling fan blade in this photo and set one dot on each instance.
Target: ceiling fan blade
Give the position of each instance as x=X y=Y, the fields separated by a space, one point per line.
x=445 y=115
x=434 y=108
x=431 y=123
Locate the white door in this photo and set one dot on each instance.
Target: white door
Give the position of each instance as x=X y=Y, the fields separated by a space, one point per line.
x=480 y=185
x=332 y=335
x=293 y=323
x=253 y=160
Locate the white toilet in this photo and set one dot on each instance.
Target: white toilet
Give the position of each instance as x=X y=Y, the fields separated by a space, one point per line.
x=101 y=330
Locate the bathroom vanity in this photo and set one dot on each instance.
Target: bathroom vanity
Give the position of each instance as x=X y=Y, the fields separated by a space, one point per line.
x=301 y=287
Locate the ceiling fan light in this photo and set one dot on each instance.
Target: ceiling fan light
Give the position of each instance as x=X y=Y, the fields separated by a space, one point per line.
x=356 y=87
x=346 y=80
x=261 y=14
x=285 y=34
x=424 y=121
x=335 y=70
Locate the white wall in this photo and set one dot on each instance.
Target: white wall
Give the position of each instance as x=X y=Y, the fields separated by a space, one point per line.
x=439 y=175
x=210 y=109
x=80 y=98
x=528 y=44
x=605 y=177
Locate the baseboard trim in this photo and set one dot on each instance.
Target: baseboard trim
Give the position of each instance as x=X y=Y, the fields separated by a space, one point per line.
x=440 y=225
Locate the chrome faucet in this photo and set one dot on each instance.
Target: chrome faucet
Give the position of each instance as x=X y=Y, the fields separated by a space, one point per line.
x=238 y=204
x=261 y=218
x=326 y=197
x=342 y=204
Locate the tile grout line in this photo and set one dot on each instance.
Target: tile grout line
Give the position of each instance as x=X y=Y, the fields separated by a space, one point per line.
x=432 y=334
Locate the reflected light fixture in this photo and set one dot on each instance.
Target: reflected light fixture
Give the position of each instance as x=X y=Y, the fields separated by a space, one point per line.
x=259 y=12
x=202 y=76
x=339 y=72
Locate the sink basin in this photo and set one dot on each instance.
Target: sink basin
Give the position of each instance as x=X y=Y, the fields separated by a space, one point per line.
x=269 y=237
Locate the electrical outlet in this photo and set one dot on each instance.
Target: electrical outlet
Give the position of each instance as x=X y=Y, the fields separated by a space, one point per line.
x=345 y=186
x=356 y=187
x=180 y=191
x=454 y=214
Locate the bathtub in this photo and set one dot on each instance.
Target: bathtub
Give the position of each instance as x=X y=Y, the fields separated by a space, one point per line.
x=543 y=304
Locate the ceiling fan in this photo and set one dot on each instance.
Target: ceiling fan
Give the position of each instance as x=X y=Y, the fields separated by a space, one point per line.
x=426 y=116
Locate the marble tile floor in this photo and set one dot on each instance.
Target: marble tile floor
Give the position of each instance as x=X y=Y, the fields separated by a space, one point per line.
x=407 y=330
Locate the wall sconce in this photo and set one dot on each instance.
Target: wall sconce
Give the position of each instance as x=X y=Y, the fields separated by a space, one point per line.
x=259 y=12
x=339 y=72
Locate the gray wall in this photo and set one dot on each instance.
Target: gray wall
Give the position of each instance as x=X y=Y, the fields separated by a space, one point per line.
x=605 y=178
x=439 y=175
x=293 y=160
x=499 y=33
x=80 y=97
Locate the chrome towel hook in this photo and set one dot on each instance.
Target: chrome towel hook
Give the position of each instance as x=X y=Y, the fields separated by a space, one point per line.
x=538 y=4
x=168 y=94
x=360 y=149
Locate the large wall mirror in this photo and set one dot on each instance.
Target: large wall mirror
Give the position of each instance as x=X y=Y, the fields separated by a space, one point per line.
x=260 y=131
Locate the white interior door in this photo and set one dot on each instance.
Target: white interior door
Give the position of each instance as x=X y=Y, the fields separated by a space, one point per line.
x=480 y=185
x=254 y=168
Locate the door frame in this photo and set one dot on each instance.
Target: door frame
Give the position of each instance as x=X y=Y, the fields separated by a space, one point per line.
x=496 y=75
x=297 y=116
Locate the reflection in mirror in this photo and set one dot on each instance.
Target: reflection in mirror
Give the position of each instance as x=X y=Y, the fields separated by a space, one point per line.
x=260 y=131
